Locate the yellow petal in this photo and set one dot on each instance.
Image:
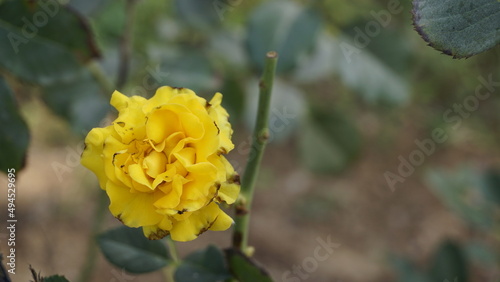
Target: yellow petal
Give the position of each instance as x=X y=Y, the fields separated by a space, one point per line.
x=192 y=126
x=186 y=156
x=154 y=232
x=158 y=147
x=198 y=188
x=204 y=168
x=119 y=101
x=221 y=118
x=188 y=98
x=222 y=222
x=133 y=209
x=158 y=231
x=111 y=148
x=137 y=174
x=161 y=97
x=161 y=124
x=197 y=223
x=228 y=193
x=155 y=163
x=130 y=121
x=172 y=199
x=167 y=176
x=121 y=163
x=93 y=157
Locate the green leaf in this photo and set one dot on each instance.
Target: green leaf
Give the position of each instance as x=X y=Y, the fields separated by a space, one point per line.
x=206 y=265
x=14 y=133
x=449 y=264
x=460 y=191
x=245 y=269
x=459 y=28
x=200 y=14
x=36 y=61
x=32 y=51
x=328 y=141
x=129 y=249
x=80 y=100
x=55 y=278
x=50 y=21
x=282 y=26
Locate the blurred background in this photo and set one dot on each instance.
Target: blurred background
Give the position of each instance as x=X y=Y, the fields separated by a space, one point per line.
x=379 y=143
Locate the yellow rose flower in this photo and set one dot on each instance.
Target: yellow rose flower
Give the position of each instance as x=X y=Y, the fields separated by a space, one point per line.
x=161 y=163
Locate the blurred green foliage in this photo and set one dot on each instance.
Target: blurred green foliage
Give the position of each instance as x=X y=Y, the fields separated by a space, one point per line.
x=128 y=249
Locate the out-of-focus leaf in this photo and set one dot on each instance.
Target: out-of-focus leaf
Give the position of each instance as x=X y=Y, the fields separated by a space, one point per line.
x=367 y=75
x=408 y=272
x=395 y=49
x=328 y=141
x=55 y=278
x=459 y=28
x=491 y=186
x=207 y=265
x=129 y=249
x=234 y=97
x=14 y=133
x=281 y=26
x=461 y=191
x=87 y=7
x=48 y=21
x=319 y=64
x=38 y=62
x=245 y=269
x=188 y=69
x=287 y=108
x=80 y=100
x=357 y=68
x=482 y=254
x=449 y=264
x=200 y=14
x=227 y=47
x=109 y=22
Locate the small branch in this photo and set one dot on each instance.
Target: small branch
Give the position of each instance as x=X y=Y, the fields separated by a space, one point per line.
x=259 y=141
x=169 y=270
x=126 y=45
x=97 y=72
x=172 y=249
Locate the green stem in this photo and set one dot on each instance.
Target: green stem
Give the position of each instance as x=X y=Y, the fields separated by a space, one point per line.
x=259 y=141
x=97 y=72
x=173 y=249
x=169 y=270
x=91 y=257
